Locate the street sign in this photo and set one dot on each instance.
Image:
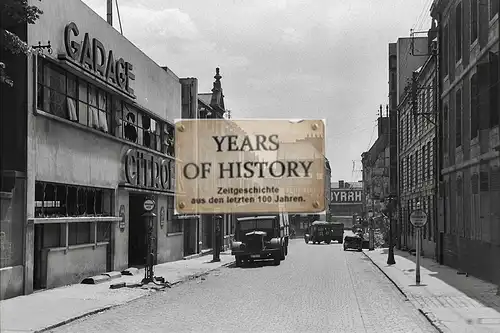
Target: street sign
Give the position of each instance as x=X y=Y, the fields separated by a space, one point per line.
x=418 y=218
x=149 y=205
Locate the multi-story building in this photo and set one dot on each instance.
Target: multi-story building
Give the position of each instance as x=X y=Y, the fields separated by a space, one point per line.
x=417 y=152
x=469 y=210
x=405 y=56
x=88 y=129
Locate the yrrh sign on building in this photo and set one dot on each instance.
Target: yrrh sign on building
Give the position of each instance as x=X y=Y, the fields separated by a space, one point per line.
x=345 y=196
x=249 y=166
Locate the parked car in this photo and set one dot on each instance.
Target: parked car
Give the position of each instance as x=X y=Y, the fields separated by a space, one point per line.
x=353 y=242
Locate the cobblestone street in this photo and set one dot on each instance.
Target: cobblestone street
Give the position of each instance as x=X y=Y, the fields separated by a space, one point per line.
x=318 y=288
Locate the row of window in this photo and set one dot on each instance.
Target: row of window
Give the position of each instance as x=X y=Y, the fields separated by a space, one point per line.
x=61 y=200
x=464 y=202
x=67 y=96
x=58 y=200
x=458 y=18
x=417 y=167
x=415 y=125
x=484 y=99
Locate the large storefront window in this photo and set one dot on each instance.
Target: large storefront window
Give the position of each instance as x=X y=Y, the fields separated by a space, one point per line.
x=59 y=200
x=65 y=95
x=139 y=127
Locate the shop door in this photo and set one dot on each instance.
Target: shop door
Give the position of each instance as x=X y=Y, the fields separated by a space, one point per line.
x=137 y=235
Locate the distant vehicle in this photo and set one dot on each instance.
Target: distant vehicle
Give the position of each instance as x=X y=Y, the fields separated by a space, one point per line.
x=261 y=237
x=353 y=242
x=321 y=231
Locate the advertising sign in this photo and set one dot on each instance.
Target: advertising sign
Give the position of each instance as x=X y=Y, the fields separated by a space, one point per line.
x=342 y=196
x=249 y=166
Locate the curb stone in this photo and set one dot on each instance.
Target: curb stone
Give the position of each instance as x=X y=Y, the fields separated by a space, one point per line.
x=427 y=315
x=434 y=321
x=387 y=276
x=106 y=308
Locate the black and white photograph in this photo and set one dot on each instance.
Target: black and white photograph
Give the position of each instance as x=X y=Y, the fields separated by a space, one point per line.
x=274 y=166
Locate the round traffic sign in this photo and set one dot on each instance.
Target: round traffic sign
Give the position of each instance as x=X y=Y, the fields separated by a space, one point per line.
x=149 y=205
x=418 y=218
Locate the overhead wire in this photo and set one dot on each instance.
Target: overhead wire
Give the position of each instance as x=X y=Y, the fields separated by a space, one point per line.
x=119 y=16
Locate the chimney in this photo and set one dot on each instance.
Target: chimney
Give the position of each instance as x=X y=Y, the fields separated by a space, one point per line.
x=341 y=184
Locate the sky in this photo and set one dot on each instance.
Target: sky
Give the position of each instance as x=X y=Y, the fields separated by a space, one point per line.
x=315 y=59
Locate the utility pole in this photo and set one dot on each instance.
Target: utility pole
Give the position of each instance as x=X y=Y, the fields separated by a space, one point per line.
x=109 y=12
x=390 y=257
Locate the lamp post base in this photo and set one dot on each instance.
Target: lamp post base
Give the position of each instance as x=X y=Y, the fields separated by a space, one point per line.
x=390 y=258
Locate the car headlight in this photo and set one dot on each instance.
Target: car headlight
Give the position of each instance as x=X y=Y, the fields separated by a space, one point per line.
x=236 y=245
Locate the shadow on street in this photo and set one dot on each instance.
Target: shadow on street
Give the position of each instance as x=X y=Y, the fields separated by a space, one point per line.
x=254 y=264
x=450 y=277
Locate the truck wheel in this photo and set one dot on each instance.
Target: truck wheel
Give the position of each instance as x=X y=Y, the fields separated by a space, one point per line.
x=328 y=241
x=341 y=241
x=282 y=257
x=277 y=259
x=239 y=262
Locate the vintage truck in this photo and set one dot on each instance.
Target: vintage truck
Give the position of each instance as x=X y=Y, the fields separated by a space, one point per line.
x=322 y=231
x=261 y=237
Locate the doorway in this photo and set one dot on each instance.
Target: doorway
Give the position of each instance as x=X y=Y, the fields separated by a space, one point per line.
x=137 y=234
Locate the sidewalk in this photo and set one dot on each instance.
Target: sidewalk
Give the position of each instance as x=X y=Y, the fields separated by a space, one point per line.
x=51 y=308
x=452 y=302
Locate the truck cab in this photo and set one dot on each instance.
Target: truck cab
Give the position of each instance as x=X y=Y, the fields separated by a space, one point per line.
x=261 y=237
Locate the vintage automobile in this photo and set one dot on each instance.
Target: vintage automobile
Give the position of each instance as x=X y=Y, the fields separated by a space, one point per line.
x=355 y=241
x=322 y=231
x=261 y=237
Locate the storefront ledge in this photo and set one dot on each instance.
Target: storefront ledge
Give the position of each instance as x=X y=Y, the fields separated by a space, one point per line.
x=78 y=219
x=476 y=160
x=175 y=234
x=197 y=255
x=6 y=195
x=139 y=189
x=96 y=279
x=130 y=271
x=113 y=275
x=79 y=246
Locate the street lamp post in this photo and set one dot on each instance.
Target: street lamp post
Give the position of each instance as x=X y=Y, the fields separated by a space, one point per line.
x=217 y=234
x=372 y=232
x=390 y=257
